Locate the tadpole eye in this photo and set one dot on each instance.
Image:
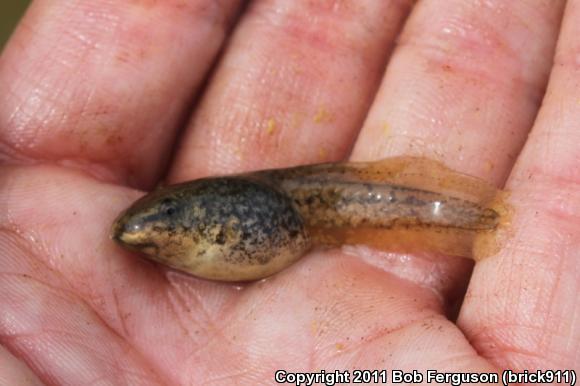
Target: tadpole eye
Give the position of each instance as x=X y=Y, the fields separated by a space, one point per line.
x=168 y=207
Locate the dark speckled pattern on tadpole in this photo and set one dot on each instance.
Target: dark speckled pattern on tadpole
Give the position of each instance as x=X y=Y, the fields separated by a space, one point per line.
x=329 y=202
x=225 y=228
x=250 y=226
x=259 y=218
x=385 y=206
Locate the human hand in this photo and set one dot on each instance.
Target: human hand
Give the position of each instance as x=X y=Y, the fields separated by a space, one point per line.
x=93 y=96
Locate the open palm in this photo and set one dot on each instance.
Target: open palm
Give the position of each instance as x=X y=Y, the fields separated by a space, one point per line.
x=94 y=94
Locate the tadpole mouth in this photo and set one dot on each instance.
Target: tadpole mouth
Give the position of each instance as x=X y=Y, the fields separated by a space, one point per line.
x=126 y=230
x=131 y=241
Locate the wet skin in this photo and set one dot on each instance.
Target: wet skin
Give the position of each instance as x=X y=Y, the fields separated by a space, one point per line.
x=250 y=226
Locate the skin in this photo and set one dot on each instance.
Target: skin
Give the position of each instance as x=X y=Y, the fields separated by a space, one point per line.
x=93 y=96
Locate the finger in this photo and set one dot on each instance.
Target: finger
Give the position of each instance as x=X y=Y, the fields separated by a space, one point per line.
x=293 y=87
x=522 y=306
x=462 y=88
x=464 y=85
x=103 y=85
x=14 y=372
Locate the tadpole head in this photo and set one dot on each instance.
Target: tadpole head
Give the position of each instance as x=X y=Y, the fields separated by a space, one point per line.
x=147 y=223
x=223 y=228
